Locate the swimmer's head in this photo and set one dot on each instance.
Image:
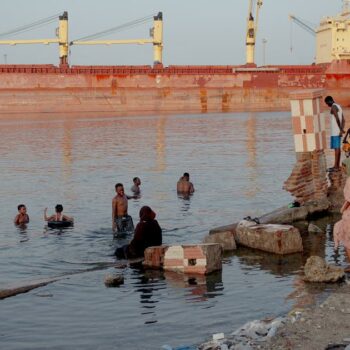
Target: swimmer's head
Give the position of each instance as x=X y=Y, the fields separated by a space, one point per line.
x=186 y=176
x=21 y=208
x=59 y=208
x=136 y=181
x=119 y=188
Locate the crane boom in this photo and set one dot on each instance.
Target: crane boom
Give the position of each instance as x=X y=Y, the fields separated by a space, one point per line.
x=302 y=24
x=252 y=26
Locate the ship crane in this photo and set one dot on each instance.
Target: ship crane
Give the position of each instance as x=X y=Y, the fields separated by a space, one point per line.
x=252 y=26
x=300 y=22
x=62 y=37
x=61 y=40
x=156 y=39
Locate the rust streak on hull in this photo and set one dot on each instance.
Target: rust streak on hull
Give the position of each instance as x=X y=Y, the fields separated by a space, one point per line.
x=117 y=90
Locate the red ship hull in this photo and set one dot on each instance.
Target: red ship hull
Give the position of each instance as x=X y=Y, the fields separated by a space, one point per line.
x=119 y=90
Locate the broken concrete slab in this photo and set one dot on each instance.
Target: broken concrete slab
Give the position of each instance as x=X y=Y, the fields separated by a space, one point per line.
x=187 y=258
x=224 y=238
x=287 y=215
x=278 y=239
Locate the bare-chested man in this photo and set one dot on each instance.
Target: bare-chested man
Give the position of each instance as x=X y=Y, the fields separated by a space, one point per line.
x=184 y=185
x=22 y=217
x=121 y=221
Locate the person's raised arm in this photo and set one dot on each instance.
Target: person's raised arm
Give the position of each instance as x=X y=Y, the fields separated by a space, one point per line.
x=45 y=215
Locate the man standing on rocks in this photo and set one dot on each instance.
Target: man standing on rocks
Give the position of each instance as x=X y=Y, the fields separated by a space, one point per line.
x=337 y=130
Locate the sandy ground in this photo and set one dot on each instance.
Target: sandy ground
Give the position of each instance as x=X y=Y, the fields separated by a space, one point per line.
x=317 y=327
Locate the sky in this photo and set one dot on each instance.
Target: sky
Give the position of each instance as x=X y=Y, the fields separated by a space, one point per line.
x=196 y=32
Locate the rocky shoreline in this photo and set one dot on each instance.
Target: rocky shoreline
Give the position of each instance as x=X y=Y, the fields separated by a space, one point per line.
x=324 y=325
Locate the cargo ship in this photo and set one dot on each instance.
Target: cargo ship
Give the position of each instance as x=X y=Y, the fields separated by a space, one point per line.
x=125 y=90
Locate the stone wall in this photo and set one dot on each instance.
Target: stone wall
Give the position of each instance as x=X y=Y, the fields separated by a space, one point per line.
x=308 y=180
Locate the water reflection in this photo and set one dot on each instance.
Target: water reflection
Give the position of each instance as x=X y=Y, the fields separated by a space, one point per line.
x=251 y=163
x=280 y=265
x=160 y=145
x=22 y=230
x=185 y=201
x=197 y=287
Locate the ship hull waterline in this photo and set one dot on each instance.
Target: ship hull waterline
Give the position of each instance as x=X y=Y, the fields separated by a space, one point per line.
x=132 y=90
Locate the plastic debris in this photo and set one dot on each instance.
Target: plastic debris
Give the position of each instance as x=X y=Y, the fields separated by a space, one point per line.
x=218 y=336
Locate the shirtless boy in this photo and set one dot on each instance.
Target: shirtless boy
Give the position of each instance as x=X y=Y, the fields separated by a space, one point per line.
x=121 y=221
x=184 y=185
x=22 y=217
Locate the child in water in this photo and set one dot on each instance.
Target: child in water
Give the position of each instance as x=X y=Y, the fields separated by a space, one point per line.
x=22 y=217
x=341 y=231
x=59 y=216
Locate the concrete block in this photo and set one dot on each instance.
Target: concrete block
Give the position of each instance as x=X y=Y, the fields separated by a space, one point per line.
x=154 y=257
x=225 y=238
x=189 y=258
x=278 y=239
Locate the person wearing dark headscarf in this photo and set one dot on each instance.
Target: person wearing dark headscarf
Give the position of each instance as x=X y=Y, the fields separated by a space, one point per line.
x=147 y=234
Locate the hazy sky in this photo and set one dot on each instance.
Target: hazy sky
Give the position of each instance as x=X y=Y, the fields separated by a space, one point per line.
x=195 y=31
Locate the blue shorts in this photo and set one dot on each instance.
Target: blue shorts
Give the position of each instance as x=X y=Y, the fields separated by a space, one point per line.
x=335 y=142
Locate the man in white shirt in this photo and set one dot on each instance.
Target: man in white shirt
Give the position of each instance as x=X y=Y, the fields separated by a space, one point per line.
x=337 y=130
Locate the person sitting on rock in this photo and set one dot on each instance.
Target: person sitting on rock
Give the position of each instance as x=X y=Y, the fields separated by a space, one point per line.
x=147 y=234
x=341 y=231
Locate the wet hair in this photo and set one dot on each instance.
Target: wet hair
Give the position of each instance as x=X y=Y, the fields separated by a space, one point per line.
x=329 y=100
x=186 y=175
x=20 y=206
x=118 y=185
x=135 y=179
x=59 y=208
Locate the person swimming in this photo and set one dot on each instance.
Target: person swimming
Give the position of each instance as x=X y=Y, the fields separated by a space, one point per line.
x=22 y=217
x=135 y=188
x=59 y=216
x=184 y=185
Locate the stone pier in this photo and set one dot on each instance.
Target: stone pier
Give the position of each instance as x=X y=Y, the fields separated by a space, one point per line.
x=308 y=180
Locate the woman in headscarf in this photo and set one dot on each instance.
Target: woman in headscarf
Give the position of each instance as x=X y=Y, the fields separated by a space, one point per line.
x=147 y=234
x=341 y=231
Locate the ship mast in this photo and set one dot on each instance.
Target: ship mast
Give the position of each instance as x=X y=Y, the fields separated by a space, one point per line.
x=252 y=26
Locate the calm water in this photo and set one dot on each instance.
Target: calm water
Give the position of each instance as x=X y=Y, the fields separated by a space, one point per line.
x=238 y=163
